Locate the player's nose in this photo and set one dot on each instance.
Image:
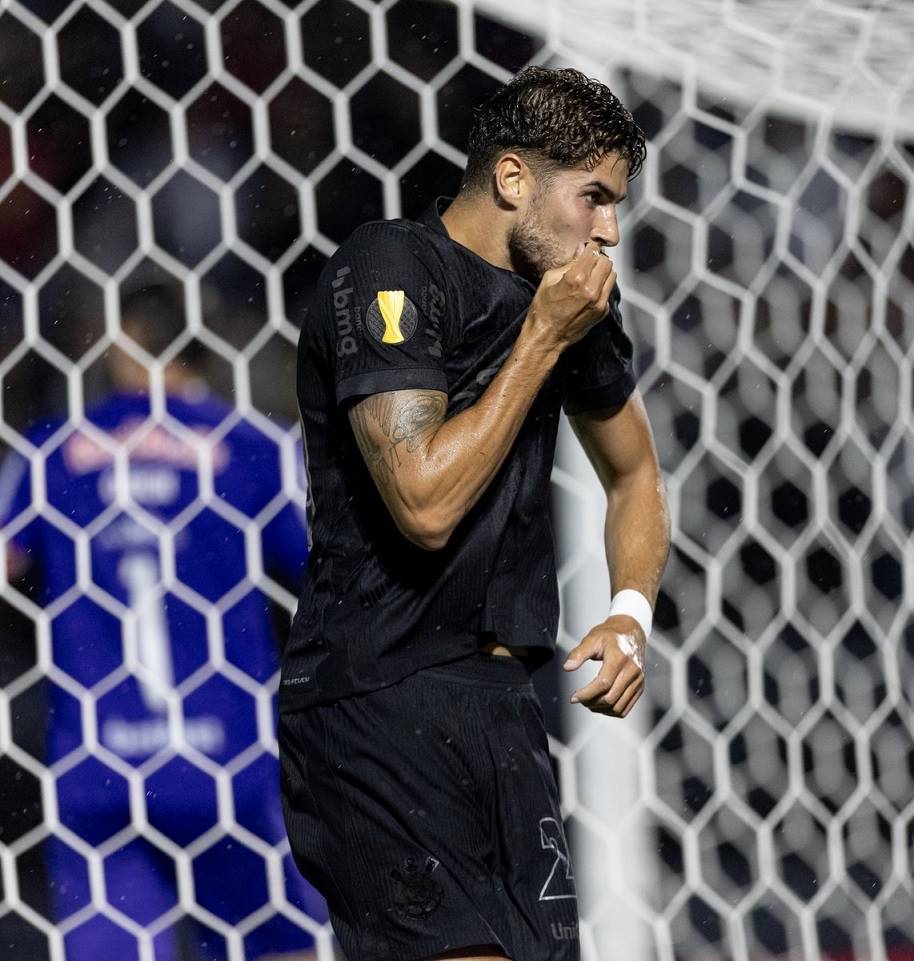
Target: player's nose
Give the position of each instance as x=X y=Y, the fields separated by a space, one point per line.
x=605 y=229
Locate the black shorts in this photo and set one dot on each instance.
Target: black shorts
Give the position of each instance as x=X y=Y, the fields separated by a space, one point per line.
x=428 y=815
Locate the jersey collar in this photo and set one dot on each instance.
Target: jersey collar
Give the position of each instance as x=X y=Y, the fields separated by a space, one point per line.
x=431 y=216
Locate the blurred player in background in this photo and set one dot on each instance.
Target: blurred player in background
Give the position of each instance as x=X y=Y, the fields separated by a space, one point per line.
x=145 y=645
x=433 y=364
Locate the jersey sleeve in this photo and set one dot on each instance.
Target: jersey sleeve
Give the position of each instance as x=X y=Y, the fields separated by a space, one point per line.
x=597 y=370
x=383 y=308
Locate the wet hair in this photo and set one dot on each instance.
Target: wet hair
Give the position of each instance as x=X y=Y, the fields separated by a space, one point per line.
x=553 y=119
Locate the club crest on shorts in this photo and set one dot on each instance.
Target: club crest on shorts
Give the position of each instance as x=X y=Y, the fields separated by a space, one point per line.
x=417 y=894
x=392 y=317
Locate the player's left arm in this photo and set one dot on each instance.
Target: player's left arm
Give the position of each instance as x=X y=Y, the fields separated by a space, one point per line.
x=620 y=445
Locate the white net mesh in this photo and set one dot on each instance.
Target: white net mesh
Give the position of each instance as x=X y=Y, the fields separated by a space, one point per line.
x=759 y=804
x=768 y=272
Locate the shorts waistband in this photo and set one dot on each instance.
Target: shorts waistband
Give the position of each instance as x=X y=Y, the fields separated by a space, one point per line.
x=479 y=668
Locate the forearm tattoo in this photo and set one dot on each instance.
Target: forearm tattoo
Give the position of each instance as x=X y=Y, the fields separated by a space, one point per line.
x=409 y=421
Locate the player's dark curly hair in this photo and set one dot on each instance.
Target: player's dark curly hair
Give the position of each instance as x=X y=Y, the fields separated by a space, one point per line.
x=553 y=118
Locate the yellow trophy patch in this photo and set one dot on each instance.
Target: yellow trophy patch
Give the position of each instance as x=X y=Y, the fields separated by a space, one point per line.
x=390 y=303
x=392 y=317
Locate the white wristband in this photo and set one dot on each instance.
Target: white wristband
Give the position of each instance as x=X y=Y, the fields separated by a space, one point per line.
x=636 y=605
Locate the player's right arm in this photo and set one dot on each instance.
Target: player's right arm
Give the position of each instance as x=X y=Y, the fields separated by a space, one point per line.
x=431 y=471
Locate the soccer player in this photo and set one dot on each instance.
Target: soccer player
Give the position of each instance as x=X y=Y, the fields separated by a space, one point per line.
x=433 y=363
x=143 y=644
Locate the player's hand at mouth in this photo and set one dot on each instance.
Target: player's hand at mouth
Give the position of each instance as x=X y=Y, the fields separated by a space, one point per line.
x=573 y=298
x=618 y=643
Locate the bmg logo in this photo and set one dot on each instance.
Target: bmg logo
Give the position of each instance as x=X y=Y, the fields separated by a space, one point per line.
x=342 y=312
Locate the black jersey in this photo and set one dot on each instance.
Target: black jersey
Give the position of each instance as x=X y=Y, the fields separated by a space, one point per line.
x=399 y=306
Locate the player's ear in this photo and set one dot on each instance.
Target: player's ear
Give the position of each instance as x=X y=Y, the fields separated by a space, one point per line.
x=512 y=180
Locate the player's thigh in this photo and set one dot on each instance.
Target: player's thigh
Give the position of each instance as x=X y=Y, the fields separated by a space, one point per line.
x=382 y=803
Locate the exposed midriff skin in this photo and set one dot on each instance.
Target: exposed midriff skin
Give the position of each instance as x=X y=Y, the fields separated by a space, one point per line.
x=503 y=650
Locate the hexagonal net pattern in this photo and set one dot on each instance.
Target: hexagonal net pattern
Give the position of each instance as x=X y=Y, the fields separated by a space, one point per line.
x=761 y=804
x=758 y=803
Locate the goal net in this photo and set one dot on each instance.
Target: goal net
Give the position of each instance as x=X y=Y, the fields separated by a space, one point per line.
x=761 y=805
x=759 y=802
